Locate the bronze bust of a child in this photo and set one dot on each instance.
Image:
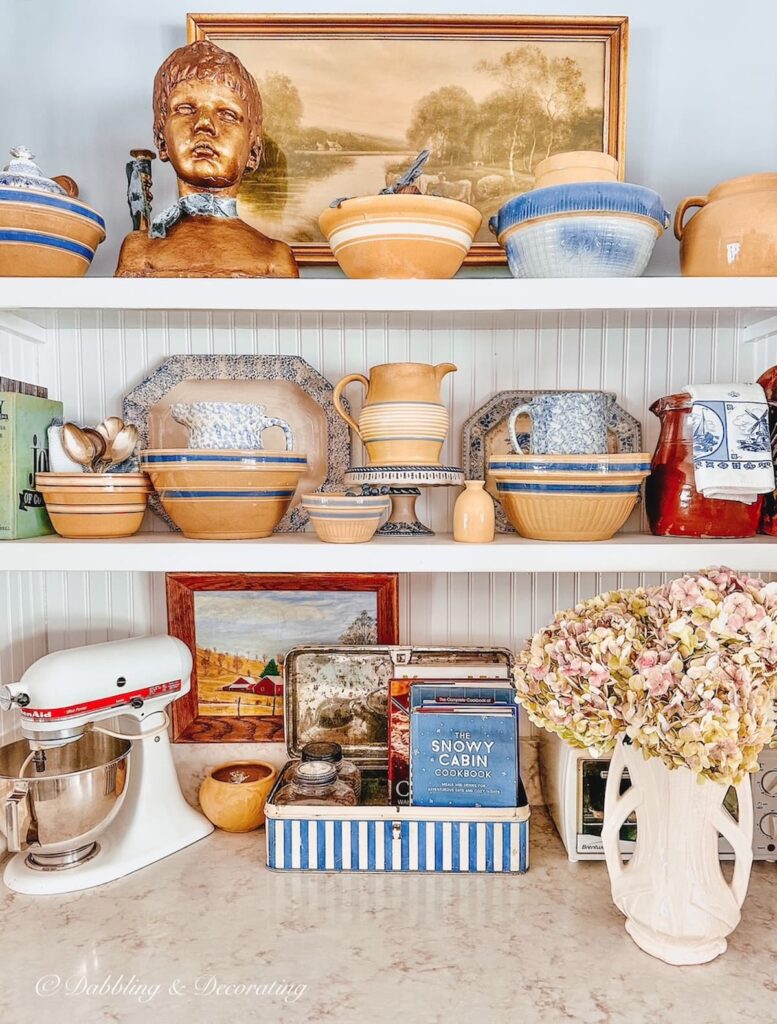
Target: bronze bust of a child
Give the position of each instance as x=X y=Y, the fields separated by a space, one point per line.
x=208 y=124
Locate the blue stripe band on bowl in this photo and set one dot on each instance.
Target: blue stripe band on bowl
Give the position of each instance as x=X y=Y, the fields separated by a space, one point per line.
x=38 y=238
x=569 y=488
x=17 y=196
x=574 y=467
x=316 y=514
x=225 y=494
x=277 y=457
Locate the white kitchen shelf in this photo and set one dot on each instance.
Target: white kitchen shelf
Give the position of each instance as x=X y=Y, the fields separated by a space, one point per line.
x=163 y=552
x=321 y=295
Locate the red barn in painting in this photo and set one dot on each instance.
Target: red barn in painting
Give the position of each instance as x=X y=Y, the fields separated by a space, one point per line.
x=267 y=686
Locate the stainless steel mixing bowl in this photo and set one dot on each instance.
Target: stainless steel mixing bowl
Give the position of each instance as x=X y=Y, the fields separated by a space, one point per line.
x=57 y=814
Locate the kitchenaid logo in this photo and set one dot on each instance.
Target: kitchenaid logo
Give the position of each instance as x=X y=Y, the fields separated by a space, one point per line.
x=124 y=987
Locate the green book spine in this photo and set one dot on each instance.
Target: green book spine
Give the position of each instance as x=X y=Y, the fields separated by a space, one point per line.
x=24 y=421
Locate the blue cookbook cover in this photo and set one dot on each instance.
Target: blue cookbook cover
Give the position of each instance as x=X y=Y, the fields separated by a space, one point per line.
x=464 y=757
x=468 y=692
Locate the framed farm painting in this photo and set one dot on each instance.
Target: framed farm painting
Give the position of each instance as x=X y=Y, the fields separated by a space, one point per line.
x=239 y=627
x=350 y=100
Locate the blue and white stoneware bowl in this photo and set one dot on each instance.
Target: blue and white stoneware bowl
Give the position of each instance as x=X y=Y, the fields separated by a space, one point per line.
x=342 y=518
x=582 y=229
x=224 y=495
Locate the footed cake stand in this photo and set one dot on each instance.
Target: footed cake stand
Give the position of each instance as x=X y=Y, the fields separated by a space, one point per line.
x=404 y=484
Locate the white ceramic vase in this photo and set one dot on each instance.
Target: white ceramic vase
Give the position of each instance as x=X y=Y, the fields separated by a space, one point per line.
x=678 y=905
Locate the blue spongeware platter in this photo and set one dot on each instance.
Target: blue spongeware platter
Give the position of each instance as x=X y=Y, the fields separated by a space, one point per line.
x=286 y=386
x=485 y=435
x=582 y=229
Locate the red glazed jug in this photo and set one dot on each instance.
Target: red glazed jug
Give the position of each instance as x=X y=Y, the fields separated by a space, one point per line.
x=768 y=381
x=674 y=507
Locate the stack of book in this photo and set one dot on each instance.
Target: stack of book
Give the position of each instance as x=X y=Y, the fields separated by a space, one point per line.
x=453 y=743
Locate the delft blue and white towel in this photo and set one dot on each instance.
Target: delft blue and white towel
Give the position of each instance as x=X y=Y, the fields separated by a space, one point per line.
x=732 y=454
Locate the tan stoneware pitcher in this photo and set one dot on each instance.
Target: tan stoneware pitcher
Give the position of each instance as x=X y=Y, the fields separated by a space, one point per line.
x=403 y=422
x=734 y=234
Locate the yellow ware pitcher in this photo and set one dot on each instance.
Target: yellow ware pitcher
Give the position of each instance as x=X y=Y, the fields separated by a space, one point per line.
x=403 y=422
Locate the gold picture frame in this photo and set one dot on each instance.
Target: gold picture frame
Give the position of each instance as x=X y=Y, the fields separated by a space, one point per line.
x=578 y=61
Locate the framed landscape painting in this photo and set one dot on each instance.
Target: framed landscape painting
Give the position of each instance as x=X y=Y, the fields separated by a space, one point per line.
x=349 y=101
x=239 y=628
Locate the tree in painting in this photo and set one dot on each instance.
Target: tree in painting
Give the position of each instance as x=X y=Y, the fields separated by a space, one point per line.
x=363 y=630
x=444 y=121
x=540 y=104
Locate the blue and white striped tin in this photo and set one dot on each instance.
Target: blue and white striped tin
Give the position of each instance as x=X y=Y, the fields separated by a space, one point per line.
x=397 y=839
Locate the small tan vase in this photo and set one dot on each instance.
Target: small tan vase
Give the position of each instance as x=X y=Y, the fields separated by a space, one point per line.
x=576 y=166
x=233 y=795
x=734 y=234
x=403 y=422
x=473 y=514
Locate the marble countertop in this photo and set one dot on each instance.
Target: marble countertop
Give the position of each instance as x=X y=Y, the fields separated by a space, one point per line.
x=548 y=946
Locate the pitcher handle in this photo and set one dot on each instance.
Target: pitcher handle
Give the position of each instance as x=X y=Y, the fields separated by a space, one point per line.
x=272 y=421
x=617 y=808
x=339 y=388
x=517 y=411
x=682 y=209
x=739 y=833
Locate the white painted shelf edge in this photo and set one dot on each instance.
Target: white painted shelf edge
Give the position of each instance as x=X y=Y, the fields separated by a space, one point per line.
x=25 y=296
x=160 y=552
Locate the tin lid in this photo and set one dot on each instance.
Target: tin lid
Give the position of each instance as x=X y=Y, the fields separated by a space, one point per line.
x=338 y=694
x=23 y=172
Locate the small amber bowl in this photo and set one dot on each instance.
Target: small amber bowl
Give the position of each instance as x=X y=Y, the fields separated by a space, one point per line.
x=233 y=795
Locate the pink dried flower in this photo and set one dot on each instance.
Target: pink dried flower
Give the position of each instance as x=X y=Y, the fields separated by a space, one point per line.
x=687 y=670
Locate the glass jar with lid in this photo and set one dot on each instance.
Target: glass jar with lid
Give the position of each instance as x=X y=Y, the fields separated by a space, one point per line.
x=316 y=782
x=330 y=753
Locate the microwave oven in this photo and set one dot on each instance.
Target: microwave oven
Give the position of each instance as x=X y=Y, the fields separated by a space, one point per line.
x=573 y=784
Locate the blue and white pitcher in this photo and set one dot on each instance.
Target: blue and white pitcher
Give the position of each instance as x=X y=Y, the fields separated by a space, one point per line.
x=565 y=423
x=228 y=425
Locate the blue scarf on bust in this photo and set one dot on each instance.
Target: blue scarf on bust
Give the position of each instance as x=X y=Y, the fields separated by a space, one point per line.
x=198 y=204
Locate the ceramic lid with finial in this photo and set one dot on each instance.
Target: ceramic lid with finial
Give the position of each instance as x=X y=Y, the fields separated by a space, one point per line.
x=23 y=172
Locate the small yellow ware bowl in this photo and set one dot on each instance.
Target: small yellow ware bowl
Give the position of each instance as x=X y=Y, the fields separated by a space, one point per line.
x=94 y=506
x=340 y=518
x=224 y=495
x=400 y=236
x=233 y=795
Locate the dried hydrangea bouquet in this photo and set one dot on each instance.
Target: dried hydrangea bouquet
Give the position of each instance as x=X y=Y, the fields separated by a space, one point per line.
x=679 y=682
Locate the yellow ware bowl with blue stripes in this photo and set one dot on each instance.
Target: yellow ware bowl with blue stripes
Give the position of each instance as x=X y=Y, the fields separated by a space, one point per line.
x=340 y=518
x=224 y=495
x=46 y=235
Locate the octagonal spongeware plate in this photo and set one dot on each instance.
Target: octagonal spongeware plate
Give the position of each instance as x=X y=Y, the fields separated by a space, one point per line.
x=287 y=386
x=485 y=437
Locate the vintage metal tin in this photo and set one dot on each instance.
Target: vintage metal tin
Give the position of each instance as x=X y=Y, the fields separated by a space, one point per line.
x=337 y=693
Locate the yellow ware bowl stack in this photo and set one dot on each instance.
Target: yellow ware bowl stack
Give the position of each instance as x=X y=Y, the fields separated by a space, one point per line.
x=344 y=518
x=224 y=495
x=94 y=506
x=400 y=236
x=568 y=497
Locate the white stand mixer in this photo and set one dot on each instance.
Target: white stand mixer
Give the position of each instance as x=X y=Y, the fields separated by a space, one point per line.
x=87 y=805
